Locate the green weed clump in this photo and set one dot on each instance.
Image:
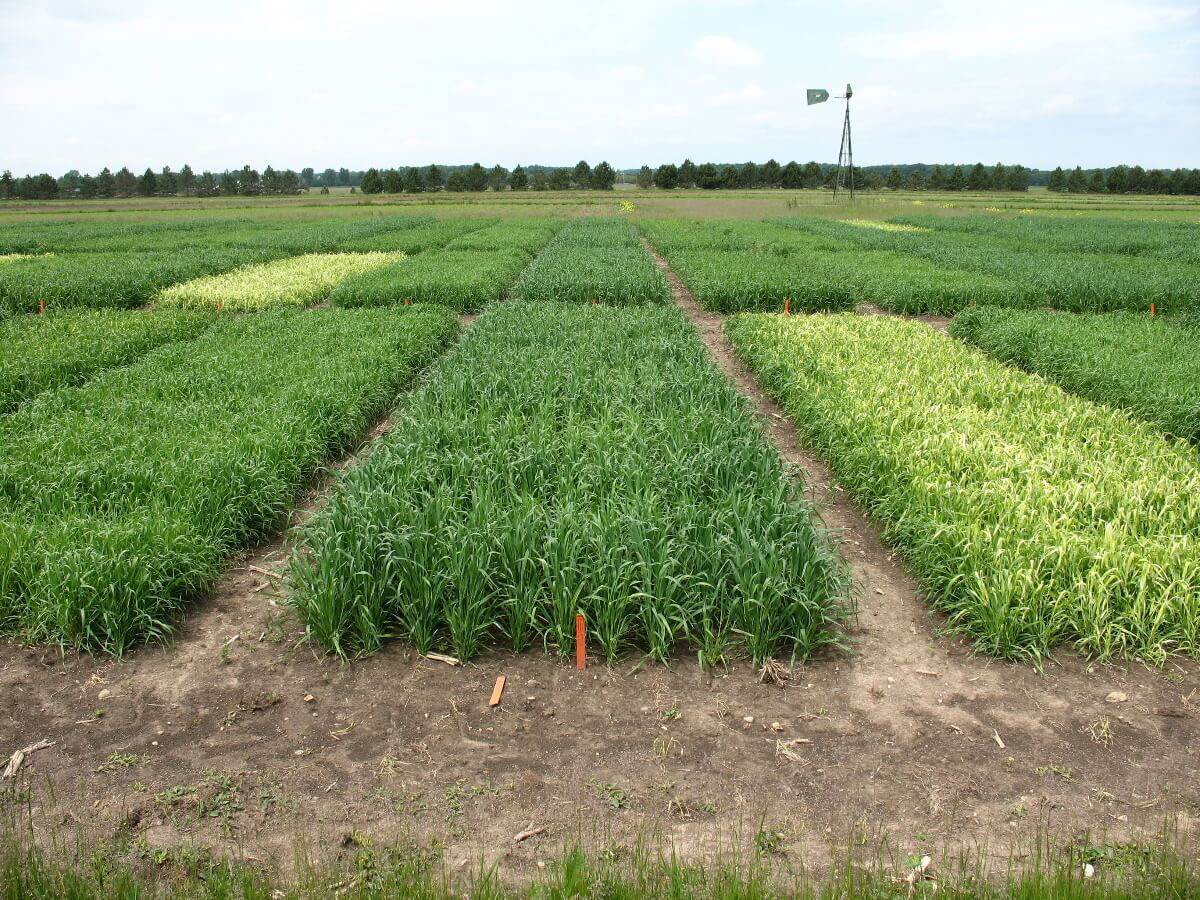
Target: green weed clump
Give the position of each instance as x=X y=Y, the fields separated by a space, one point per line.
x=39 y=353
x=572 y=459
x=119 y=499
x=1126 y=360
x=1033 y=518
x=594 y=259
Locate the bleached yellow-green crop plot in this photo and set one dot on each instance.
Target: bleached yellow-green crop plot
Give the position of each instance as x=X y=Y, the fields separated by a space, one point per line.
x=296 y=281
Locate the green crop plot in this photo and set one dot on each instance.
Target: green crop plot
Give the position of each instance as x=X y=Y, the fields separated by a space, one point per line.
x=296 y=281
x=1031 y=277
x=595 y=260
x=568 y=459
x=1125 y=360
x=1034 y=518
x=463 y=280
x=38 y=353
x=734 y=267
x=120 y=499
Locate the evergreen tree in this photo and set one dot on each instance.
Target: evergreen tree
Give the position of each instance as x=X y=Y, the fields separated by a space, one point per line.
x=811 y=175
x=1017 y=179
x=1058 y=180
x=539 y=180
x=582 y=176
x=687 y=174
x=229 y=184
x=413 y=182
x=707 y=177
x=434 y=179
x=187 y=181
x=1096 y=182
x=978 y=179
x=916 y=181
x=603 y=177
x=87 y=187
x=729 y=177
x=249 y=183
x=477 y=178
x=393 y=182
x=148 y=183
x=518 y=180
x=343 y=176
x=666 y=176
x=8 y=185
x=749 y=176
x=771 y=174
x=206 y=185
x=372 y=183
x=999 y=178
x=106 y=184
x=560 y=179
x=893 y=178
x=456 y=182
x=168 y=184
x=645 y=178
x=308 y=176
x=957 y=180
x=792 y=176
x=937 y=179
x=1076 y=183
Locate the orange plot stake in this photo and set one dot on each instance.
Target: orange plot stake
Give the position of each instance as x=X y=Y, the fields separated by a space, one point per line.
x=595 y=300
x=1153 y=310
x=407 y=302
x=220 y=305
x=787 y=306
x=580 y=642
x=41 y=307
x=497 y=691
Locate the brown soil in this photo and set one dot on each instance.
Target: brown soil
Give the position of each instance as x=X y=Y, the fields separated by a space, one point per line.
x=941 y=323
x=282 y=747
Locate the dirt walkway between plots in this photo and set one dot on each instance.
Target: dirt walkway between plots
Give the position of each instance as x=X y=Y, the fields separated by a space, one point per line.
x=242 y=738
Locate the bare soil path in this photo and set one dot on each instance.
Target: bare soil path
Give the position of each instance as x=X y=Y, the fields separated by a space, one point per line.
x=242 y=738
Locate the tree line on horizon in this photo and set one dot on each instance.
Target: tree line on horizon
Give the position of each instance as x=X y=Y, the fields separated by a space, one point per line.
x=707 y=176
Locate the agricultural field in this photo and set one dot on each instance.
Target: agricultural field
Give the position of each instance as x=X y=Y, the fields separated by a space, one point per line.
x=39 y=353
x=301 y=500
x=1129 y=361
x=120 y=499
x=594 y=260
x=565 y=460
x=1032 y=517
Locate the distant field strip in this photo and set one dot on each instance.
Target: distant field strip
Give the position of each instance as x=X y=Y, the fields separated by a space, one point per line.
x=1126 y=360
x=296 y=281
x=120 y=499
x=39 y=353
x=1033 y=518
x=564 y=459
x=732 y=267
x=1022 y=275
x=127 y=265
x=470 y=272
x=1175 y=241
x=594 y=259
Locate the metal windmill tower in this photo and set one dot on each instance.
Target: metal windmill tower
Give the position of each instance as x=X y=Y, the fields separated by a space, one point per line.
x=844 y=181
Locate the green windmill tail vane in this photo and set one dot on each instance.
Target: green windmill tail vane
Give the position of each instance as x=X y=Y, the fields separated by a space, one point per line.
x=817 y=96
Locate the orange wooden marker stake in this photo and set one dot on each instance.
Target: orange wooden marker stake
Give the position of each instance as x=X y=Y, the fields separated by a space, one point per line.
x=41 y=307
x=580 y=642
x=595 y=300
x=787 y=306
x=220 y=305
x=1153 y=310
x=407 y=302
x=497 y=691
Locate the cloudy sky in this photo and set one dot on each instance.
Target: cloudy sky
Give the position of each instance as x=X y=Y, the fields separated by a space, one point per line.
x=360 y=83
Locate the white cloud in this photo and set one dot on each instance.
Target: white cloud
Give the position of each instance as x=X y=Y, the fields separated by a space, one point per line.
x=750 y=94
x=724 y=50
x=628 y=73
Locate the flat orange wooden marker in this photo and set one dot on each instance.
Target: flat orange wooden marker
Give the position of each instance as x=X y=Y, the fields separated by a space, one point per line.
x=580 y=642
x=1153 y=310
x=497 y=691
x=787 y=306
x=220 y=305
x=41 y=307
x=407 y=302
